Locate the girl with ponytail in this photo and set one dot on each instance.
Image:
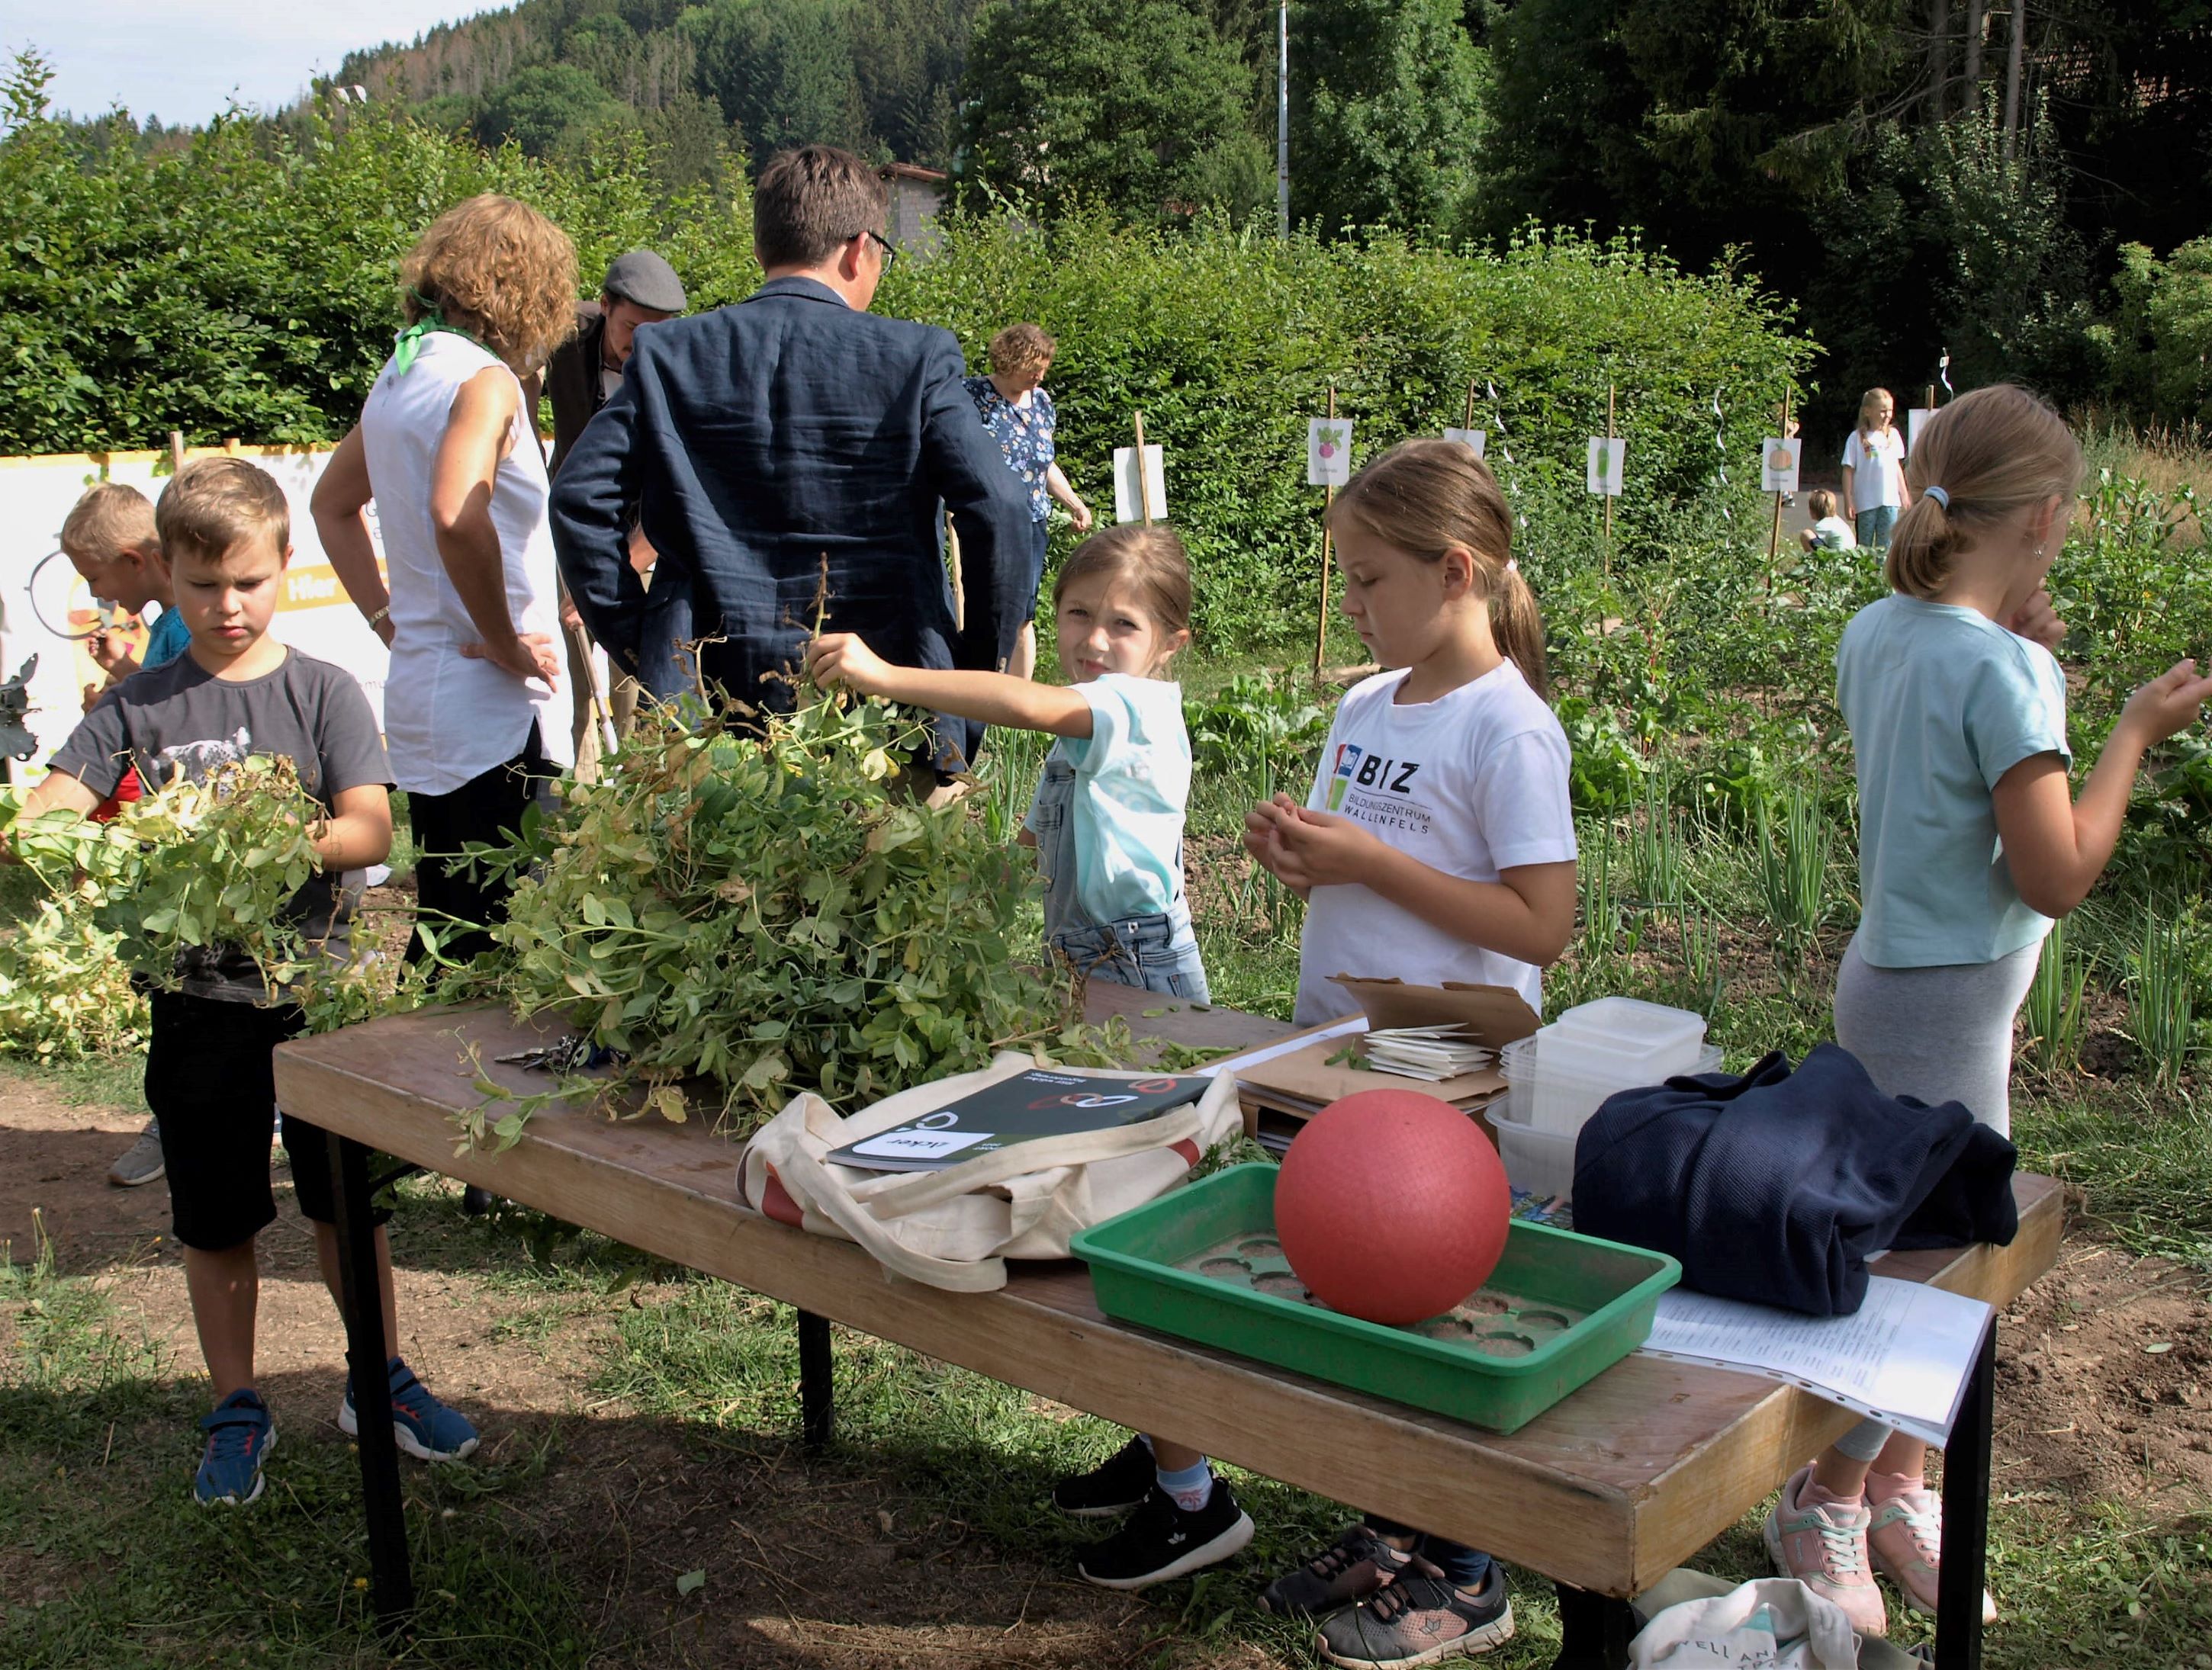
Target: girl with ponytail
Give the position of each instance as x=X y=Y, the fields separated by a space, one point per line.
x=1970 y=842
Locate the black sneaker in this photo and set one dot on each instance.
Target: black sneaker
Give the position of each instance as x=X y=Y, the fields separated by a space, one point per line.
x=1351 y=1569
x=1113 y=1486
x=1162 y=1541
x=1418 y=1618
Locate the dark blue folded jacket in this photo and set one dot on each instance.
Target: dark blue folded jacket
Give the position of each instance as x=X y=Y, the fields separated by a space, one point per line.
x=754 y=443
x=1775 y=1188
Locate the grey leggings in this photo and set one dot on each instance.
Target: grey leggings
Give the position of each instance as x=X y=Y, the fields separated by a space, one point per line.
x=1940 y=1034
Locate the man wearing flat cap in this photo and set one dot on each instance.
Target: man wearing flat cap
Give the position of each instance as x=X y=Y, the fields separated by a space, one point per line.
x=640 y=288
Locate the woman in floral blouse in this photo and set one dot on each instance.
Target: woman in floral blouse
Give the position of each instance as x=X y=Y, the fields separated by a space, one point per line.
x=1019 y=415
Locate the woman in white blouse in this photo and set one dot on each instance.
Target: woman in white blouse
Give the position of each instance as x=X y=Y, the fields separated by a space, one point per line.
x=446 y=447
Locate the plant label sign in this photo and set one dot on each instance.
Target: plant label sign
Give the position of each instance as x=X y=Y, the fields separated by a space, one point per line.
x=1778 y=462
x=1473 y=439
x=1602 y=472
x=1138 y=499
x=1328 y=452
x=1915 y=421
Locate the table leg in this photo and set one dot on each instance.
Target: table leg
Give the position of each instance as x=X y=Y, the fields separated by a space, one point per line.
x=1593 y=1630
x=1966 y=1518
x=816 y=1404
x=366 y=1356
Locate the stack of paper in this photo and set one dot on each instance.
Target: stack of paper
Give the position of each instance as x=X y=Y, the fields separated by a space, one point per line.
x=1433 y=1054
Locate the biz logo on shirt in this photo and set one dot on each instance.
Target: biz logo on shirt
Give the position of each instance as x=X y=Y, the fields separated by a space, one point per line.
x=1348 y=756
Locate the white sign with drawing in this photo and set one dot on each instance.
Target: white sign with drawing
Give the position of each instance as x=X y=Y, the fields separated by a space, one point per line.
x=1778 y=461
x=1135 y=499
x=1328 y=452
x=1474 y=438
x=1603 y=471
x=1915 y=421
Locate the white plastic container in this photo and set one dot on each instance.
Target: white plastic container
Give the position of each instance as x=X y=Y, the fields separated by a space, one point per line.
x=1613 y=1044
x=1543 y=1162
x=1554 y=1092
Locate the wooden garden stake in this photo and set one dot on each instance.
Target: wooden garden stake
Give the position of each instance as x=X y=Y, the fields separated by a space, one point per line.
x=1144 y=477
x=1466 y=418
x=1608 y=497
x=1321 y=622
x=1774 y=533
x=176 y=451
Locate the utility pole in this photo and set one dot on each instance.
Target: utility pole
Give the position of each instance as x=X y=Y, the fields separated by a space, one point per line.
x=1283 y=121
x=2014 y=54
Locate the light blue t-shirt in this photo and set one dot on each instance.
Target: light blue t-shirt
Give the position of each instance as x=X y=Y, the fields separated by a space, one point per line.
x=1941 y=702
x=165 y=640
x=1131 y=788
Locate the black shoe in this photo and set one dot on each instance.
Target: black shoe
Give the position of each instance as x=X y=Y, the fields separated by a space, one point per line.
x=1162 y=1541
x=1418 y=1618
x=1353 y=1567
x=476 y=1202
x=1113 y=1486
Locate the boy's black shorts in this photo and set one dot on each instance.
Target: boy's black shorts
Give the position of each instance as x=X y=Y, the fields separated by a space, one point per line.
x=211 y=1082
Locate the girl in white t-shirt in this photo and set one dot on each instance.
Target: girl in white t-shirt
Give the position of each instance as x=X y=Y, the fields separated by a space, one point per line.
x=1107 y=819
x=1875 y=493
x=1437 y=844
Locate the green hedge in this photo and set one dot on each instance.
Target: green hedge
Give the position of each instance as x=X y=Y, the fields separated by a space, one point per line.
x=245 y=285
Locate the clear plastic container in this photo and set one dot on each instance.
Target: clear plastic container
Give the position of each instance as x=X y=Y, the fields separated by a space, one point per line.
x=1554 y=1092
x=1541 y=1161
x=1631 y=1026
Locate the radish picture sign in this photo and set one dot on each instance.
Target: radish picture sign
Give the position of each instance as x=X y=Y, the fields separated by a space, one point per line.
x=1328 y=452
x=1607 y=458
x=1474 y=439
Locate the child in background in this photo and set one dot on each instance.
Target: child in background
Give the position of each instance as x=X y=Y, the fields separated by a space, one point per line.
x=1107 y=819
x=210 y=1078
x=1970 y=843
x=1829 y=531
x=1875 y=493
x=111 y=540
x=1437 y=844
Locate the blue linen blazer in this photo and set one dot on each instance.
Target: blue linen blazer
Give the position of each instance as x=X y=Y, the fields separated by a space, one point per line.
x=757 y=440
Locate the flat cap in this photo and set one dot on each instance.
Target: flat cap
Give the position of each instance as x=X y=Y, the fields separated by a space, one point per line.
x=643 y=277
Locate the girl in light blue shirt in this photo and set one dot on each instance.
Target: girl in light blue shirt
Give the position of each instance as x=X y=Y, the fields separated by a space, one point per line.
x=1971 y=842
x=1107 y=819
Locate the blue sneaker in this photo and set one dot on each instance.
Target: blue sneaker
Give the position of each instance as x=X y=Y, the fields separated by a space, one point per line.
x=239 y=1433
x=422 y=1426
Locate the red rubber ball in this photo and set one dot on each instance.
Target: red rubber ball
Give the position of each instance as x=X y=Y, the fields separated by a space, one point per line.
x=1392 y=1206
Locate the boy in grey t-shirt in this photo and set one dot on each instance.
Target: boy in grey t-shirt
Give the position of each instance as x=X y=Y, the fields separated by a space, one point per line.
x=225 y=531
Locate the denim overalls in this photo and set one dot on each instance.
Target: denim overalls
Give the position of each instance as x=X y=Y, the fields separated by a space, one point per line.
x=1158 y=952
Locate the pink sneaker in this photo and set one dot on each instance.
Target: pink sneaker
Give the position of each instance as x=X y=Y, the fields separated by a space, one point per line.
x=1906 y=1540
x=1825 y=1547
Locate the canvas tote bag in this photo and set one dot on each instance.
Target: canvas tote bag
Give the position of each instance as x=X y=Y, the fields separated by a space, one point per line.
x=956 y=1227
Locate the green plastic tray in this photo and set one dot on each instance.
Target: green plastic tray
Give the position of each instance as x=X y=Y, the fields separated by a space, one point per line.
x=1202 y=1263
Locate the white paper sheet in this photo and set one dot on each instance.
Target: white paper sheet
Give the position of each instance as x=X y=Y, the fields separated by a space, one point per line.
x=1601 y=473
x=1778 y=459
x=1328 y=452
x=1904 y=1357
x=1136 y=500
x=1475 y=439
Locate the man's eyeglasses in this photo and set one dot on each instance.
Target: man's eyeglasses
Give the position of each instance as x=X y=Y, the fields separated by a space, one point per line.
x=884 y=246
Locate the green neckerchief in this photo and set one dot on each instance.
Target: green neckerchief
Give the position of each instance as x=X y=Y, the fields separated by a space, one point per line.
x=411 y=340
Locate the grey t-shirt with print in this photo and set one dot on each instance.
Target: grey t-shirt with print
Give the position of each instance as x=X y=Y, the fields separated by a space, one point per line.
x=182 y=716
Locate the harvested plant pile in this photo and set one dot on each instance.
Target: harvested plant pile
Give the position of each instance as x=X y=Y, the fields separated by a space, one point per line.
x=779 y=913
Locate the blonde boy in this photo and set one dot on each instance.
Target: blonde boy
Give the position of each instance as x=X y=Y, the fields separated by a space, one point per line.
x=111 y=540
x=237 y=691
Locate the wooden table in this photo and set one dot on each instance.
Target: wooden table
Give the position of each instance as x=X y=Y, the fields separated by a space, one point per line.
x=1604 y=1493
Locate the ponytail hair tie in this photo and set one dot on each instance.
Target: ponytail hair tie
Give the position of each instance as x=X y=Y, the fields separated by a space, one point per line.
x=1938 y=494
x=1512 y=566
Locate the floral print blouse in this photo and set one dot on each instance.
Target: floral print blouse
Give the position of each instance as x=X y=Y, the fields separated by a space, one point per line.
x=1024 y=434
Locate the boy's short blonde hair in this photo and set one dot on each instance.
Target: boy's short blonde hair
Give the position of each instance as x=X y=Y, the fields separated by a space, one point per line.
x=212 y=506
x=1821 y=503
x=109 y=520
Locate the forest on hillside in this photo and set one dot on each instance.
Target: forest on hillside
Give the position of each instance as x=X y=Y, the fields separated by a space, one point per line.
x=2023 y=186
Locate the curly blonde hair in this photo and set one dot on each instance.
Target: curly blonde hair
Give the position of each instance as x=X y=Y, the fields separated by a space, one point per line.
x=500 y=270
x=1021 y=349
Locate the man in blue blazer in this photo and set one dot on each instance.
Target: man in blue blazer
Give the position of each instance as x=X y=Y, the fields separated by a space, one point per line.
x=753 y=442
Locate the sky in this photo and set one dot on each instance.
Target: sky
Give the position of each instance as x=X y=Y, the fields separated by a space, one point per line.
x=185 y=60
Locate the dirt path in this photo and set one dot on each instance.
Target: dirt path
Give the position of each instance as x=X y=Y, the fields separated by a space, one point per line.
x=2106 y=1394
